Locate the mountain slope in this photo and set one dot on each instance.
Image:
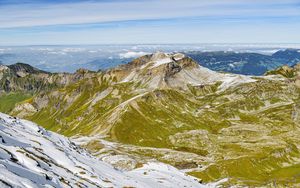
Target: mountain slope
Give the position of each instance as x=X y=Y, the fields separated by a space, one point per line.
x=167 y=107
x=30 y=156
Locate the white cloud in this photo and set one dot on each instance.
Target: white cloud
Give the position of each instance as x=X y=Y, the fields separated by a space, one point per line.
x=132 y=55
x=173 y=21
x=67 y=50
x=28 y=15
x=58 y=53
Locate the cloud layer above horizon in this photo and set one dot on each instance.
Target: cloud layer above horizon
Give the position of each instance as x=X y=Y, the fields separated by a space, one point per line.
x=26 y=22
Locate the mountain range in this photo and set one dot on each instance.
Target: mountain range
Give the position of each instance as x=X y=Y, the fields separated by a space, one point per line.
x=245 y=63
x=247 y=59
x=240 y=130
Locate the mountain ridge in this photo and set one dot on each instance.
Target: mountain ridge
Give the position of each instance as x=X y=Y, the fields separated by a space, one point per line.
x=207 y=123
x=245 y=62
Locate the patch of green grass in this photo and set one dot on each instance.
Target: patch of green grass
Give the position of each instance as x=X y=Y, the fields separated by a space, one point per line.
x=8 y=101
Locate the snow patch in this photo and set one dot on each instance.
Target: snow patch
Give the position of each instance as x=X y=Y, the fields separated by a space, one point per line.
x=30 y=156
x=161 y=62
x=233 y=80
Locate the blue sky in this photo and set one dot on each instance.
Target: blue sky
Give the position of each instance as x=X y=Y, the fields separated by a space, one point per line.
x=34 y=22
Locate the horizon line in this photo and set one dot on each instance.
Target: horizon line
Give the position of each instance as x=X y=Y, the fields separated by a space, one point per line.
x=114 y=44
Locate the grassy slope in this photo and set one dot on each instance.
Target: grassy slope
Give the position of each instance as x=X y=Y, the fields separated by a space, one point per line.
x=247 y=133
x=8 y=101
x=254 y=154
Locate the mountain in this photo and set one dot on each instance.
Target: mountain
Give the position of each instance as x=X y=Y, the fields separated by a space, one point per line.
x=245 y=63
x=22 y=69
x=169 y=108
x=104 y=63
x=289 y=54
x=30 y=156
x=22 y=77
x=21 y=81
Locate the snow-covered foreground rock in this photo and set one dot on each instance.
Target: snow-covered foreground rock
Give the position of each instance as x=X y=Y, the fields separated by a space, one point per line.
x=30 y=156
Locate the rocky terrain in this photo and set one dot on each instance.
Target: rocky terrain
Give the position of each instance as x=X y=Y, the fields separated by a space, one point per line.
x=214 y=126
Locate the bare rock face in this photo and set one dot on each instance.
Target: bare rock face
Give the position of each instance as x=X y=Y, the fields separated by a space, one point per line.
x=3 y=69
x=293 y=73
x=172 y=69
x=25 y=109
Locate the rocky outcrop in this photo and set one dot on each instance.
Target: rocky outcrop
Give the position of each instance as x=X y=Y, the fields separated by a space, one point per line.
x=290 y=72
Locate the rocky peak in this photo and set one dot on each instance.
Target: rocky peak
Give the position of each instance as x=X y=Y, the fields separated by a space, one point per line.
x=286 y=71
x=22 y=69
x=292 y=73
x=161 y=60
x=175 y=70
x=159 y=56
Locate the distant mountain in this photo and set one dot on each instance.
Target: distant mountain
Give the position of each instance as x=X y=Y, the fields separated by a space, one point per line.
x=22 y=77
x=245 y=63
x=104 y=63
x=289 y=54
x=25 y=69
x=20 y=81
x=70 y=59
x=30 y=156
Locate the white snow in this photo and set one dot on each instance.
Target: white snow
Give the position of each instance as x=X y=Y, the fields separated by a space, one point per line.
x=161 y=62
x=30 y=156
x=230 y=80
x=164 y=58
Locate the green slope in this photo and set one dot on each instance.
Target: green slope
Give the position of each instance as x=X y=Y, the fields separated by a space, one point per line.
x=247 y=133
x=8 y=101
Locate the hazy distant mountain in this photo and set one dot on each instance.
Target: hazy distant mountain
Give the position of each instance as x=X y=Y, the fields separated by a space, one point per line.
x=71 y=58
x=104 y=63
x=245 y=63
x=25 y=69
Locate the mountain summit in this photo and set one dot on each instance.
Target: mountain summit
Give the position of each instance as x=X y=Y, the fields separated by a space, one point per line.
x=161 y=70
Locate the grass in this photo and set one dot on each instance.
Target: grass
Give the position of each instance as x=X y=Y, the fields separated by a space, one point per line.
x=8 y=101
x=238 y=128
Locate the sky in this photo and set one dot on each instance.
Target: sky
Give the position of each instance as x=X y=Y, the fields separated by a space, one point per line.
x=65 y=22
